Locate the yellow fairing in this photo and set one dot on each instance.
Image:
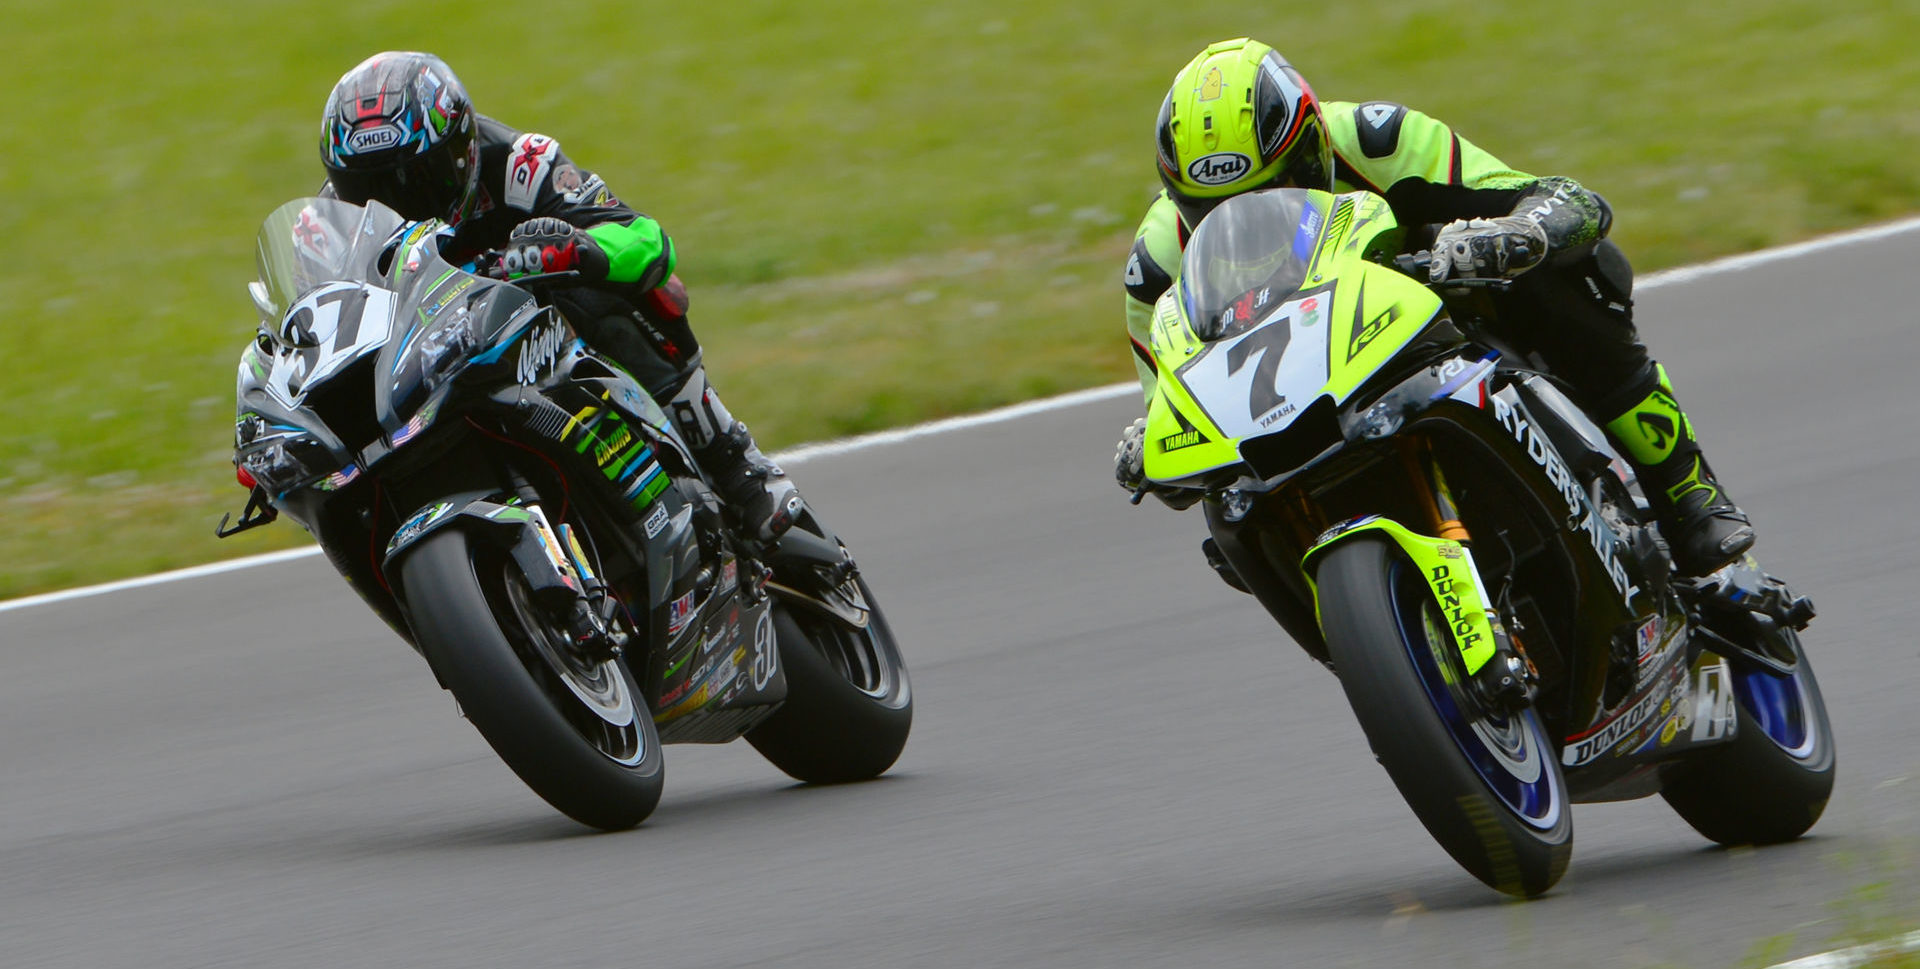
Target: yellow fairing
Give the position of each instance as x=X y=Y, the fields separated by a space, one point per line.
x=1181 y=440
x=1377 y=310
x=1350 y=314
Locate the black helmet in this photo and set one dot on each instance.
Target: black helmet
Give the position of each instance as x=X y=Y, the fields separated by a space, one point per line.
x=400 y=129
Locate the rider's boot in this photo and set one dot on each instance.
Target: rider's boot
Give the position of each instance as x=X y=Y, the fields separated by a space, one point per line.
x=759 y=494
x=1704 y=528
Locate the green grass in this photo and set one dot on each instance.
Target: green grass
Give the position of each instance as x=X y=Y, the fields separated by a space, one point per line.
x=1876 y=914
x=885 y=214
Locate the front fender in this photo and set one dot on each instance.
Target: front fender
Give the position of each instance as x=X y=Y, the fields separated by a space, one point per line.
x=1446 y=565
x=478 y=510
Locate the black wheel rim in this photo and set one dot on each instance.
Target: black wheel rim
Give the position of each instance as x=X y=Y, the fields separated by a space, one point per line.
x=857 y=654
x=591 y=694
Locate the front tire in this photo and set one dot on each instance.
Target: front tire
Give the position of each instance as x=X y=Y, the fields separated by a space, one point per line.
x=849 y=706
x=577 y=731
x=1771 y=782
x=1488 y=788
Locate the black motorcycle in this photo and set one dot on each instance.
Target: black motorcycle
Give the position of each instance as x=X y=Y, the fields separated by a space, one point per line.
x=518 y=509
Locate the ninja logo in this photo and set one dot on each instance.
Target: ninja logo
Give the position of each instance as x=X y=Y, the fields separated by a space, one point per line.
x=539 y=353
x=1219 y=168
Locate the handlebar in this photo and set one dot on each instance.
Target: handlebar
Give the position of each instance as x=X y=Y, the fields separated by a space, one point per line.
x=488 y=264
x=1419 y=264
x=571 y=274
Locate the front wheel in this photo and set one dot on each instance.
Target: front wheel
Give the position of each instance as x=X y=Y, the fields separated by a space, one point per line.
x=574 y=727
x=849 y=705
x=1771 y=782
x=1488 y=787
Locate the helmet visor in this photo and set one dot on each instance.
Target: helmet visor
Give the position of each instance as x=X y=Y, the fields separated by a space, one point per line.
x=432 y=185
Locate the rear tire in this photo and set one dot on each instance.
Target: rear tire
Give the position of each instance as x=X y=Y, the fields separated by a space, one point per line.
x=849 y=706
x=578 y=732
x=1489 y=789
x=1771 y=782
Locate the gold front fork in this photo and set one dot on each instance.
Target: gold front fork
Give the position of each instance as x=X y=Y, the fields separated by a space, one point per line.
x=1443 y=514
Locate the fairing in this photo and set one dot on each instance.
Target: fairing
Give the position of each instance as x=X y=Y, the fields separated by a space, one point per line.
x=1289 y=360
x=378 y=361
x=363 y=328
x=1279 y=307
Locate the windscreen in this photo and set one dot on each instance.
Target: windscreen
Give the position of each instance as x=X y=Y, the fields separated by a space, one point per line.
x=1249 y=253
x=307 y=242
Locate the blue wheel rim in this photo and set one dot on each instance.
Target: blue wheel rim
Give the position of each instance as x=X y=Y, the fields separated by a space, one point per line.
x=1778 y=706
x=1510 y=754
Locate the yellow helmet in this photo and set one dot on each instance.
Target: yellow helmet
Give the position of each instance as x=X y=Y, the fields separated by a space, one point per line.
x=1239 y=118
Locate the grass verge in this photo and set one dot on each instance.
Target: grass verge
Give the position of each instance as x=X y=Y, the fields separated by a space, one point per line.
x=886 y=214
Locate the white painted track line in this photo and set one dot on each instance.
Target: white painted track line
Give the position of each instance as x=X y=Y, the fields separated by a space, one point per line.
x=807 y=452
x=1859 y=955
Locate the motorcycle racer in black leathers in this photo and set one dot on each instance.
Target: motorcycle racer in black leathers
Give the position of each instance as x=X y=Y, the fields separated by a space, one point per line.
x=400 y=129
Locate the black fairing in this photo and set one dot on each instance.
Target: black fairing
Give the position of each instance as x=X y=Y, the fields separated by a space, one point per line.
x=445 y=400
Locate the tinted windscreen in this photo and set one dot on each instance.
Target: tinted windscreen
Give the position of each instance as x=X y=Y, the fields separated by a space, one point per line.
x=1249 y=253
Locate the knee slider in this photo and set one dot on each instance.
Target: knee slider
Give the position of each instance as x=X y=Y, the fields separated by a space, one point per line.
x=1609 y=277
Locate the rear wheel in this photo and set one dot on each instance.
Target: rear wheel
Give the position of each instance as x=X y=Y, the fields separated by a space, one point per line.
x=849 y=706
x=1771 y=782
x=1487 y=786
x=574 y=727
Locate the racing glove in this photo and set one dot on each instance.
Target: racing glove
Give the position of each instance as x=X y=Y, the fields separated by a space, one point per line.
x=1129 y=469
x=1499 y=248
x=1130 y=456
x=550 y=245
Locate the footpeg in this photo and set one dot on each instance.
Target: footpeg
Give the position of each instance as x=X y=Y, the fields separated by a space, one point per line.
x=1747 y=613
x=1743 y=588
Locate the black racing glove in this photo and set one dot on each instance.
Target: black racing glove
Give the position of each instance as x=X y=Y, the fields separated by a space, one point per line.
x=550 y=245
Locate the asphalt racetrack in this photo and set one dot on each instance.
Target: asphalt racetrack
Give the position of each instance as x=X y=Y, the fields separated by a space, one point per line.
x=1117 y=761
